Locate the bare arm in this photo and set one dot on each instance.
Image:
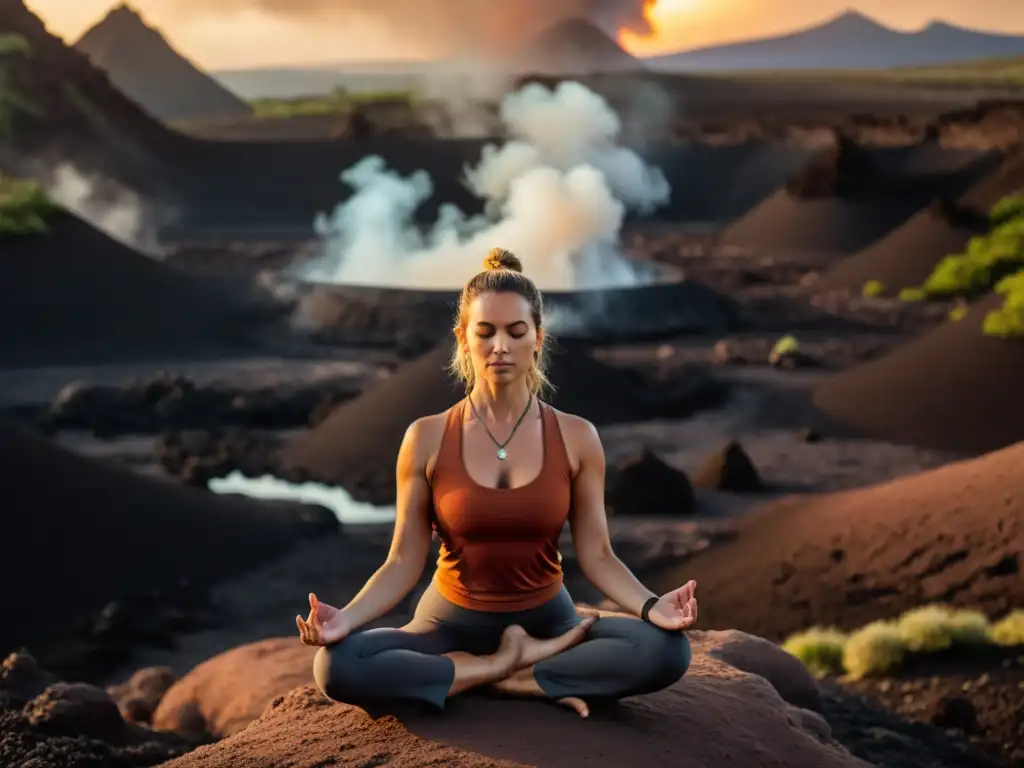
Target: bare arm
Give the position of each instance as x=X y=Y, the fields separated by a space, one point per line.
x=589 y=524
x=410 y=543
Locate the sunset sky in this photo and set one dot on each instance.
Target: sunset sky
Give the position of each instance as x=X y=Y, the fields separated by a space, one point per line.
x=228 y=34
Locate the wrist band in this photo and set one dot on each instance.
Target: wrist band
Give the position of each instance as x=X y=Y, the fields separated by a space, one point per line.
x=645 y=612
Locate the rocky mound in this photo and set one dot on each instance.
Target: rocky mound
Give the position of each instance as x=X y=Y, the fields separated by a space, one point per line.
x=573 y=47
x=78 y=115
x=74 y=294
x=45 y=722
x=79 y=533
x=144 y=66
x=726 y=711
x=953 y=534
x=954 y=389
x=357 y=445
x=850 y=197
x=908 y=255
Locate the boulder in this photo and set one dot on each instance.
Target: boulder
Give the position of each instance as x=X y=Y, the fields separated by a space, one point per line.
x=717 y=715
x=643 y=484
x=224 y=694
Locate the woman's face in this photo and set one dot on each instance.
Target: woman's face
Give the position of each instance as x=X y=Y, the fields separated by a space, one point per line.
x=500 y=337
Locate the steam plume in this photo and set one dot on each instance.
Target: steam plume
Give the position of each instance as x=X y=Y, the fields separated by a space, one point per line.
x=556 y=195
x=117 y=211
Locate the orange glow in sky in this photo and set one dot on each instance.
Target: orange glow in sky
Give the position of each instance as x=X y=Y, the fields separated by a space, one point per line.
x=673 y=23
x=253 y=37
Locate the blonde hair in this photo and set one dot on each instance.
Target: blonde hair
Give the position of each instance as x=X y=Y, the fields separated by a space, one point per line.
x=503 y=273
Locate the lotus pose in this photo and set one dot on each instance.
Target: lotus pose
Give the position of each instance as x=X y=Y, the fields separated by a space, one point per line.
x=497 y=476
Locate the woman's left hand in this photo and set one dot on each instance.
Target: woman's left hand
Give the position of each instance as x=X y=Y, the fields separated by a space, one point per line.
x=676 y=609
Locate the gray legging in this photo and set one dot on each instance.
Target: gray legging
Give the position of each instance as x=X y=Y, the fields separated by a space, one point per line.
x=619 y=657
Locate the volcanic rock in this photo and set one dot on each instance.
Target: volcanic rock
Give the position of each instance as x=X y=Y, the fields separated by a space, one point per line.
x=728 y=469
x=138 y=697
x=643 y=484
x=224 y=694
x=71 y=724
x=723 y=715
x=144 y=66
x=950 y=535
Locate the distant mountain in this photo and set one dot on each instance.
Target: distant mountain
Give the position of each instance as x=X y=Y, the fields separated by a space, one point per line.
x=849 y=41
x=144 y=66
x=573 y=47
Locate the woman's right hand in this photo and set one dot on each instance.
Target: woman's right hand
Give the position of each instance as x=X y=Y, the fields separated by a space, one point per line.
x=324 y=625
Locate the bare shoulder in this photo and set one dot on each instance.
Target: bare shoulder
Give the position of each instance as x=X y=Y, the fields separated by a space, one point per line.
x=423 y=439
x=580 y=435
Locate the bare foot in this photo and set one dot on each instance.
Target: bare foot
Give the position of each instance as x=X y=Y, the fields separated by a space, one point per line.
x=509 y=656
x=536 y=650
x=577 y=704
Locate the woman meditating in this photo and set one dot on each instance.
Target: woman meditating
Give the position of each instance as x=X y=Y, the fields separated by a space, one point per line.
x=497 y=476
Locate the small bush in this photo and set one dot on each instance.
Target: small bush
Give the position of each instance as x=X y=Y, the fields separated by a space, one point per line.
x=957 y=313
x=873 y=649
x=873 y=288
x=787 y=345
x=24 y=208
x=1007 y=209
x=1009 y=630
x=937 y=628
x=913 y=294
x=821 y=650
x=1008 y=320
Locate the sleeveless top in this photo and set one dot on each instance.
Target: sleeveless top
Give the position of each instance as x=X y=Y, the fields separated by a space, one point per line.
x=499 y=546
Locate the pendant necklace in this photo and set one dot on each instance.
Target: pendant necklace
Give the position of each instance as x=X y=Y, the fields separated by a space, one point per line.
x=502 y=453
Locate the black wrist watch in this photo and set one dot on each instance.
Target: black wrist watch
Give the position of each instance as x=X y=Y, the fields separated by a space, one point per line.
x=645 y=612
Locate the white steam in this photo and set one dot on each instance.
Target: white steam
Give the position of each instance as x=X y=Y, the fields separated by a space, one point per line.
x=555 y=195
x=119 y=213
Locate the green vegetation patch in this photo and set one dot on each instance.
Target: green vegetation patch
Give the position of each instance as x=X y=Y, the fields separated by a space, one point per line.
x=337 y=102
x=873 y=288
x=24 y=208
x=1008 y=320
x=882 y=646
x=987 y=260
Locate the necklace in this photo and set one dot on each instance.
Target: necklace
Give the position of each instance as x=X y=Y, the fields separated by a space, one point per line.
x=502 y=453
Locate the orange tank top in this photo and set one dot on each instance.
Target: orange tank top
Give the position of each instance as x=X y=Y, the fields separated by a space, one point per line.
x=499 y=546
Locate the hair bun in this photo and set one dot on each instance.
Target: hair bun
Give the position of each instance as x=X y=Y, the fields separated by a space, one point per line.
x=499 y=258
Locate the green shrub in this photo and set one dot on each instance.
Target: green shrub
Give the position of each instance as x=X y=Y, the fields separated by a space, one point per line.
x=1009 y=630
x=1007 y=209
x=882 y=646
x=873 y=649
x=986 y=259
x=24 y=207
x=935 y=628
x=873 y=288
x=821 y=650
x=1008 y=321
x=913 y=294
x=958 y=313
x=787 y=345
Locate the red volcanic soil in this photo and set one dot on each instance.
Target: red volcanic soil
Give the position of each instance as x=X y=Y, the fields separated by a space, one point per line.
x=954 y=389
x=74 y=294
x=908 y=255
x=953 y=534
x=144 y=66
x=851 y=196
